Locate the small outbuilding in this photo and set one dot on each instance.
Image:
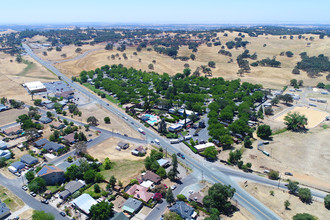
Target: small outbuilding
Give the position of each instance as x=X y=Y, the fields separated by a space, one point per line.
x=45 y=120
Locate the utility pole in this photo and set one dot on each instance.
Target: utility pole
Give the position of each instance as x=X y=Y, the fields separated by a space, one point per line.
x=202 y=175
x=279 y=181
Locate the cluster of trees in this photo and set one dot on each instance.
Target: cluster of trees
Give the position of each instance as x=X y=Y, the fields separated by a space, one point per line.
x=295 y=121
x=225 y=52
x=224 y=108
x=27 y=123
x=151 y=163
x=172 y=51
x=313 y=65
x=267 y=62
x=90 y=172
x=238 y=42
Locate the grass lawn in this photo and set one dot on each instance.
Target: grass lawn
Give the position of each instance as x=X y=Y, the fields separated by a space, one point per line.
x=52 y=188
x=124 y=170
x=13 y=202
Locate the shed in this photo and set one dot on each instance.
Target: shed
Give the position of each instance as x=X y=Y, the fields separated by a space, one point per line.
x=163 y=163
x=123 y=145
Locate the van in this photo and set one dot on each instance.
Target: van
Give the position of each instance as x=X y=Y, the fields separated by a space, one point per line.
x=266 y=153
x=157 y=141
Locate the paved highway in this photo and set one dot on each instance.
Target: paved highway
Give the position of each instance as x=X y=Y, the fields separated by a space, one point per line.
x=212 y=173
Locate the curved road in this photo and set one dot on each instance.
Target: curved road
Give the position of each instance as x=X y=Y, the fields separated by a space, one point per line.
x=213 y=173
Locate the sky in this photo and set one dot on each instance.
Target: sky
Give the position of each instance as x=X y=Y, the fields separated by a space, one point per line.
x=165 y=12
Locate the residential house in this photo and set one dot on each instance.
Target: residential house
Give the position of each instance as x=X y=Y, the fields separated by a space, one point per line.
x=3 y=145
x=69 y=138
x=140 y=192
x=84 y=203
x=45 y=120
x=3 y=107
x=5 y=154
x=52 y=146
x=149 y=175
x=29 y=160
x=57 y=125
x=40 y=143
x=14 y=130
x=197 y=197
x=16 y=166
x=71 y=188
x=51 y=174
x=175 y=127
x=50 y=105
x=163 y=163
x=119 y=216
x=122 y=145
x=4 y=210
x=132 y=206
x=182 y=209
x=138 y=151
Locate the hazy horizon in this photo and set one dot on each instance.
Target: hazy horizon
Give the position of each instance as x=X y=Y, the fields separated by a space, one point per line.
x=39 y=12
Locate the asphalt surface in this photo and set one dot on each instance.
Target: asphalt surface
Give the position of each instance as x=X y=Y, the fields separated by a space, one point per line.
x=160 y=208
x=220 y=175
x=14 y=185
x=259 y=210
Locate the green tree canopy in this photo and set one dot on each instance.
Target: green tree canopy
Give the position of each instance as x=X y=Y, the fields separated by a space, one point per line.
x=210 y=153
x=169 y=196
x=264 y=131
x=218 y=197
x=303 y=216
x=295 y=121
x=101 y=211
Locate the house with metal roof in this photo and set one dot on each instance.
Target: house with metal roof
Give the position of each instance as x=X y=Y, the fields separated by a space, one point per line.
x=3 y=107
x=3 y=145
x=132 y=205
x=123 y=145
x=84 y=203
x=16 y=166
x=57 y=125
x=51 y=174
x=29 y=160
x=45 y=120
x=52 y=146
x=71 y=188
x=4 y=210
x=13 y=130
x=40 y=143
x=5 y=154
x=182 y=209
x=35 y=86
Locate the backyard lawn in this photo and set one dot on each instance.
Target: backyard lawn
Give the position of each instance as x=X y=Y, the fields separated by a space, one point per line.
x=13 y=202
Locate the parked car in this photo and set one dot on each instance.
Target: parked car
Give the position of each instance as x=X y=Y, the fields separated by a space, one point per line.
x=288 y=174
x=63 y=214
x=173 y=187
x=125 y=135
x=181 y=155
x=17 y=174
x=195 y=134
x=45 y=201
x=24 y=187
x=33 y=194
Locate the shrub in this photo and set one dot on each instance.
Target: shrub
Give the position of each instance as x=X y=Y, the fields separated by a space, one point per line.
x=273 y=175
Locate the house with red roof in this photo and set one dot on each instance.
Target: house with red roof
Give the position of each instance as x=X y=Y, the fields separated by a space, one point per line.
x=140 y=192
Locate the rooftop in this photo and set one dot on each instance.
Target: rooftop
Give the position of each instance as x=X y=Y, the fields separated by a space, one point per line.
x=45 y=170
x=84 y=202
x=149 y=175
x=36 y=85
x=140 y=192
x=132 y=205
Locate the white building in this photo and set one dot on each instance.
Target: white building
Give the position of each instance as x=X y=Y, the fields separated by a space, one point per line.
x=35 y=86
x=202 y=147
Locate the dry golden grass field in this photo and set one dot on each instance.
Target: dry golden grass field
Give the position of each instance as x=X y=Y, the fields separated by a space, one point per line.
x=13 y=74
x=269 y=77
x=276 y=202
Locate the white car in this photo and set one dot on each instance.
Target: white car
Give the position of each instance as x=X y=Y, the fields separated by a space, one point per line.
x=157 y=141
x=173 y=187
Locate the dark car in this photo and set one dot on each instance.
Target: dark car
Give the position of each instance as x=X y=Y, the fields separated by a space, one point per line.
x=45 y=201
x=288 y=174
x=181 y=155
x=195 y=134
x=125 y=135
x=63 y=214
